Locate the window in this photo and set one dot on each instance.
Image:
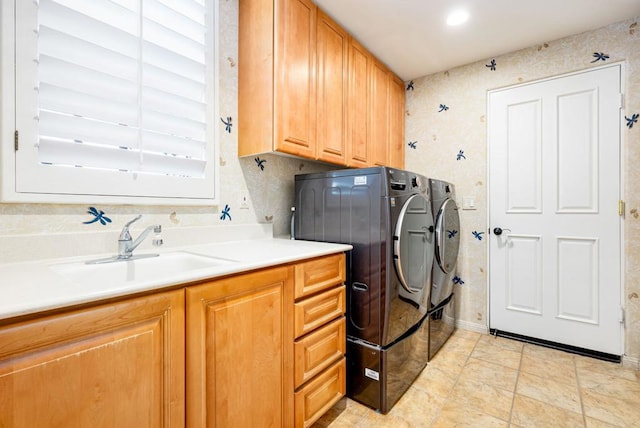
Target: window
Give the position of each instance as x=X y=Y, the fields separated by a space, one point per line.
x=114 y=100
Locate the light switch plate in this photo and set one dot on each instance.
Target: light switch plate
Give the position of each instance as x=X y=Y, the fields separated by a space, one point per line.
x=468 y=203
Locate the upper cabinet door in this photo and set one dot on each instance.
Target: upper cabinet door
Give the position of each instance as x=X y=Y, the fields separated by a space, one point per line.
x=379 y=107
x=332 y=46
x=396 y=121
x=295 y=88
x=358 y=152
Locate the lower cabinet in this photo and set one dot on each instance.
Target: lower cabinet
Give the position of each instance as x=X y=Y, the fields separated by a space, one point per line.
x=239 y=361
x=114 y=365
x=264 y=348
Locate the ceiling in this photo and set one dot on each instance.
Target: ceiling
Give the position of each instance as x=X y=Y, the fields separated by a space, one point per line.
x=412 y=38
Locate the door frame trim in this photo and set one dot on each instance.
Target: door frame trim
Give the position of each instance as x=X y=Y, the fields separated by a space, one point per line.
x=621 y=182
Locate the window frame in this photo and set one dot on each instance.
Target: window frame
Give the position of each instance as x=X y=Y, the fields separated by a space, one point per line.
x=10 y=121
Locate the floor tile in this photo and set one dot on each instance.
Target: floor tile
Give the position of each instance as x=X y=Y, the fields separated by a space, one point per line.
x=454 y=416
x=608 y=384
x=378 y=420
x=489 y=373
x=528 y=412
x=435 y=381
x=459 y=344
x=466 y=334
x=546 y=353
x=418 y=407
x=588 y=365
x=622 y=411
x=561 y=370
x=345 y=413
x=503 y=342
x=493 y=352
x=450 y=361
x=595 y=423
x=549 y=391
x=493 y=401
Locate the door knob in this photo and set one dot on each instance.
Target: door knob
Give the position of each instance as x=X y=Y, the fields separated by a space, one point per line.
x=498 y=231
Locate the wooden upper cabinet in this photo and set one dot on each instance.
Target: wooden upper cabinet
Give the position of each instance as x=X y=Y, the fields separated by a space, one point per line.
x=295 y=91
x=277 y=77
x=118 y=365
x=306 y=88
x=379 y=116
x=240 y=350
x=331 y=48
x=396 y=121
x=358 y=150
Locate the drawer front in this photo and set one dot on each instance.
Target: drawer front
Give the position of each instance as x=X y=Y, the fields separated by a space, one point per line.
x=319 y=274
x=318 y=350
x=312 y=401
x=315 y=311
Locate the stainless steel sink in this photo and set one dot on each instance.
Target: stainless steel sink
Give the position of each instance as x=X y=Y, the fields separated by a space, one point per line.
x=165 y=265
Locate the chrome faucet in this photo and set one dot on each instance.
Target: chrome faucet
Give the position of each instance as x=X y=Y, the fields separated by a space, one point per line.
x=126 y=244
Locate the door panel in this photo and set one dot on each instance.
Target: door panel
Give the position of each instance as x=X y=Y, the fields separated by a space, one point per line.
x=577 y=153
x=524 y=167
x=578 y=279
x=554 y=177
x=524 y=274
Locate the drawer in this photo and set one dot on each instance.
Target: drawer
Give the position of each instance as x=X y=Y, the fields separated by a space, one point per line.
x=322 y=392
x=319 y=274
x=319 y=349
x=313 y=312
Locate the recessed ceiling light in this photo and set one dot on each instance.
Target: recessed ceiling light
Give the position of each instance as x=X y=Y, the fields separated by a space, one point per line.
x=457 y=17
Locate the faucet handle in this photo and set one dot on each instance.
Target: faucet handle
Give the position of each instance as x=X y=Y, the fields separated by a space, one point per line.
x=124 y=234
x=132 y=221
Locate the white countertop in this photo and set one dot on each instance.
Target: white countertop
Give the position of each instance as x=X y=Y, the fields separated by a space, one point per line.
x=35 y=286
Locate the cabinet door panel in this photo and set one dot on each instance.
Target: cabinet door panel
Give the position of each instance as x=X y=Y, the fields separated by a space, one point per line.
x=239 y=351
x=120 y=364
x=317 y=396
x=317 y=310
x=396 y=122
x=332 y=67
x=319 y=274
x=379 y=123
x=358 y=106
x=295 y=90
x=319 y=349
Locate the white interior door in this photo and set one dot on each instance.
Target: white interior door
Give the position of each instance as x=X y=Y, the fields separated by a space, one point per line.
x=554 y=188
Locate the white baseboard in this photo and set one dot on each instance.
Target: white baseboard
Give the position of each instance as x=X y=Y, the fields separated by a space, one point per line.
x=472 y=326
x=631 y=362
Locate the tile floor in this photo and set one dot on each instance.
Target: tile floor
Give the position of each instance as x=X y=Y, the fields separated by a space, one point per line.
x=483 y=381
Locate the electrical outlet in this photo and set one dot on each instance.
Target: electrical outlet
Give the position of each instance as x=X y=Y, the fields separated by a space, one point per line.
x=244 y=204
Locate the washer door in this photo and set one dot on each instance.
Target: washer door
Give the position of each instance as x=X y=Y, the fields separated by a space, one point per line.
x=447 y=236
x=413 y=249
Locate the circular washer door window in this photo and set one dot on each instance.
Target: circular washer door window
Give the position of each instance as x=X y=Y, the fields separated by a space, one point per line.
x=447 y=235
x=413 y=250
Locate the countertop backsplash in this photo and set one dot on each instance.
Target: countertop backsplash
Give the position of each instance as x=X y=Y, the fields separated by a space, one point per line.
x=32 y=247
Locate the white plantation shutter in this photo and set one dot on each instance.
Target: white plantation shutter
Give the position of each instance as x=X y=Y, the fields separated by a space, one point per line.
x=123 y=89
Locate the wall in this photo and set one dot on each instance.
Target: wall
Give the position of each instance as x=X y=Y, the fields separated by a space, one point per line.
x=268 y=191
x=446 y=118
